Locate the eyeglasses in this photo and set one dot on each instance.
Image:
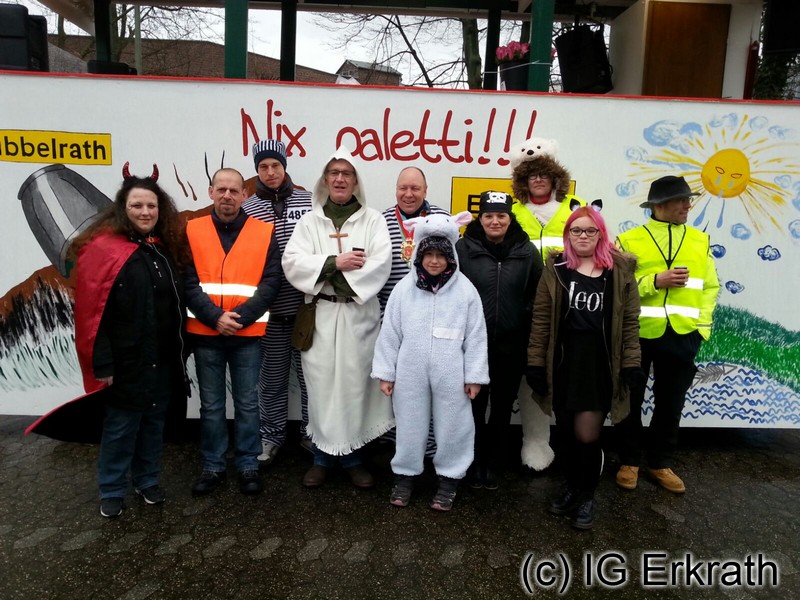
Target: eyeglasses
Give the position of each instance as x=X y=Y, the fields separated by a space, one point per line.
x=538 y=176
x=578 y=232
x=334 y=173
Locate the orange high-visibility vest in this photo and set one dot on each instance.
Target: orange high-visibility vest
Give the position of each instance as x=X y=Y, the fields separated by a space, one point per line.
x=229 y=279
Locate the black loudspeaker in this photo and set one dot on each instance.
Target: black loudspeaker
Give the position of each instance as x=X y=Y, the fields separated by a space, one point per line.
x=39 y=58
x=107 y=67
x=781 y=34
x=583 y=59
x=13 y=37
x=23 y=40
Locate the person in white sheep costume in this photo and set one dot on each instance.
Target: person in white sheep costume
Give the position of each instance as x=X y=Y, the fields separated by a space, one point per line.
x=431 y=357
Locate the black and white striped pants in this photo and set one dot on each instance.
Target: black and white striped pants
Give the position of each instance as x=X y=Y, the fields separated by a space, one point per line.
x=277 y=358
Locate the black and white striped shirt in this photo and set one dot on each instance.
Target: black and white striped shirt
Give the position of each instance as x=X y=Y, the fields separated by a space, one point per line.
x=399 y=267
x=296 y=205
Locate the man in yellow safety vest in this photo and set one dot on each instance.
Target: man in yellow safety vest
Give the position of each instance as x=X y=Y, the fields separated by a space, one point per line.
x=678 y=287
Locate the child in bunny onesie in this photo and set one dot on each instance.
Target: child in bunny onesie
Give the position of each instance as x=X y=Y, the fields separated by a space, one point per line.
x=431 y=358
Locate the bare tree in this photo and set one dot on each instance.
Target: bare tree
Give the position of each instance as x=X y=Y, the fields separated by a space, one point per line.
x=159 y=22
x=432 y=51
x=164 y=22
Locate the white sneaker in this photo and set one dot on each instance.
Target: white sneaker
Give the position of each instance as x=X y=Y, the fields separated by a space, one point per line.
x=268 y=453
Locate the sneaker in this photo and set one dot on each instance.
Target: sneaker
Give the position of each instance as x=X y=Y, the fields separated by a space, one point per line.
x=315 y=476
x=360 y=477
x=628 y=477
x=208 y=482
x=401 y=490
x=584 y=516
x=668 y=480
x=268 y=453
x=250 y=482
x=111 y=508
x=152 y=495
x=443 y=499
x=566 y=503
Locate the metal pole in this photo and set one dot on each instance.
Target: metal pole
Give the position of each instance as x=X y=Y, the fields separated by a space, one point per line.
x=102 y=29
x=137 y=39
x=288 y=39
x=492 y=42
x=542 y=13
x=236 y=39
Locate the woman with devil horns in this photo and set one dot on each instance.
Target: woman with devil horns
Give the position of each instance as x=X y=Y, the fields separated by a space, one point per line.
x=129 y=318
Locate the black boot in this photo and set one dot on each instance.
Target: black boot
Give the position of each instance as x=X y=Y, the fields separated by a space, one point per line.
x=584 y=516
x=566 y=503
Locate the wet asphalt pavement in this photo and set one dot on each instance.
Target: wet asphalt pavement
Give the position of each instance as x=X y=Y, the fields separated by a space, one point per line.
x=743 y=492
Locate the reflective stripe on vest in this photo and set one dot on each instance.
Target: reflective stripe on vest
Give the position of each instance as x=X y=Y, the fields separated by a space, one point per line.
x=228 y=289
x=229 y=280
x=680 y=307
x=661 y=312
x=262 y=319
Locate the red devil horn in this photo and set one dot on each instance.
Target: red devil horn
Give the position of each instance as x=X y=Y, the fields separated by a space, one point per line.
x=126 y=174
x=154 y=176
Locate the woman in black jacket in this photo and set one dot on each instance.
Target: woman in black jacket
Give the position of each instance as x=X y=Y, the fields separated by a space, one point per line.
x=498 y=258
x=129 y=317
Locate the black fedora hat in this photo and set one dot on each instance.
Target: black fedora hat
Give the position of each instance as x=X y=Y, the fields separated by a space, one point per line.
x=667 y=188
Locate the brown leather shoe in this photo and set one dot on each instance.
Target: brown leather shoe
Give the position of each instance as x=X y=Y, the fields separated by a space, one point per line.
x=360 y=477
x=668 y=480
x=628 y=477
x=315 y=476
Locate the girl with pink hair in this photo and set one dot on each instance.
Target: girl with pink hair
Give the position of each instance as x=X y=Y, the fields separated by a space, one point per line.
x=583 y=354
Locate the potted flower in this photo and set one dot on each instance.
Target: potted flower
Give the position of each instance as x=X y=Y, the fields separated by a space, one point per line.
x=515 y=51
x=512 y=61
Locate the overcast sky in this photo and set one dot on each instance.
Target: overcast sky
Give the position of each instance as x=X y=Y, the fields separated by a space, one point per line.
x=312 y=48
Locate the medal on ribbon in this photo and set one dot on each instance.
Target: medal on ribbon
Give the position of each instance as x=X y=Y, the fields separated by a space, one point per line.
x=407 y=247
x=407 y=250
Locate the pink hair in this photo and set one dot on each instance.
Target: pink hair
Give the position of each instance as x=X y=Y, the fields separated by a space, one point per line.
x=604 y=248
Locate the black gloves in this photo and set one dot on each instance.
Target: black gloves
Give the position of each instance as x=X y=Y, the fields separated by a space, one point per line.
x=634 y=378
x=537 y=379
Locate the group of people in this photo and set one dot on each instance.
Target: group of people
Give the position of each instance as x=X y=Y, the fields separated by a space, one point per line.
x=407 y=327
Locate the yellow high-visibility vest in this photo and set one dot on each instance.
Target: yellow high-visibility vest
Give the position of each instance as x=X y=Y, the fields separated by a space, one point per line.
x=659 y=246
x=551 y=236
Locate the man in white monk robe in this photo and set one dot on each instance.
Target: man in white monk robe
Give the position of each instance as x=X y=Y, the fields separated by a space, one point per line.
x=340 y=252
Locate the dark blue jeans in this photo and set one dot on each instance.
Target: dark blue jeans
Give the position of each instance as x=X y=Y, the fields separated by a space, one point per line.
x=132 y=441
x=244 y=360
x=329 y=461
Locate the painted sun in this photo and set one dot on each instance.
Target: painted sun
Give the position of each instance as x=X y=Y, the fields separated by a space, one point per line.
x=730 y=159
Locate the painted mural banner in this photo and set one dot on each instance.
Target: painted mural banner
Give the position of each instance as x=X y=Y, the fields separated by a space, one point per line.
x=64 y=140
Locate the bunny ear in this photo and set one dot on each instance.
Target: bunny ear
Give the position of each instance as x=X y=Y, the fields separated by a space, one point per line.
x=462 y=218
x=597 y=204
x=411 y=224
x=574 y=205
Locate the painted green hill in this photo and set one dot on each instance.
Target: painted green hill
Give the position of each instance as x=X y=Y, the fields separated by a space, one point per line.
x=742 y=338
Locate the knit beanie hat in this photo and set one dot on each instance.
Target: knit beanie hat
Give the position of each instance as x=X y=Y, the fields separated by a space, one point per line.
x=269 y=149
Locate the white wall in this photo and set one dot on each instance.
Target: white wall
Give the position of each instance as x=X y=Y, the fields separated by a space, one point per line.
x=614 y=148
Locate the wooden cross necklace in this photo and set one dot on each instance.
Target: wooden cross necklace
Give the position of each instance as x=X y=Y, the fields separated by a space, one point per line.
x=338 y=236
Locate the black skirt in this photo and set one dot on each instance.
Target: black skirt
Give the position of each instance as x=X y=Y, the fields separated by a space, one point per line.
x=582 y=379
